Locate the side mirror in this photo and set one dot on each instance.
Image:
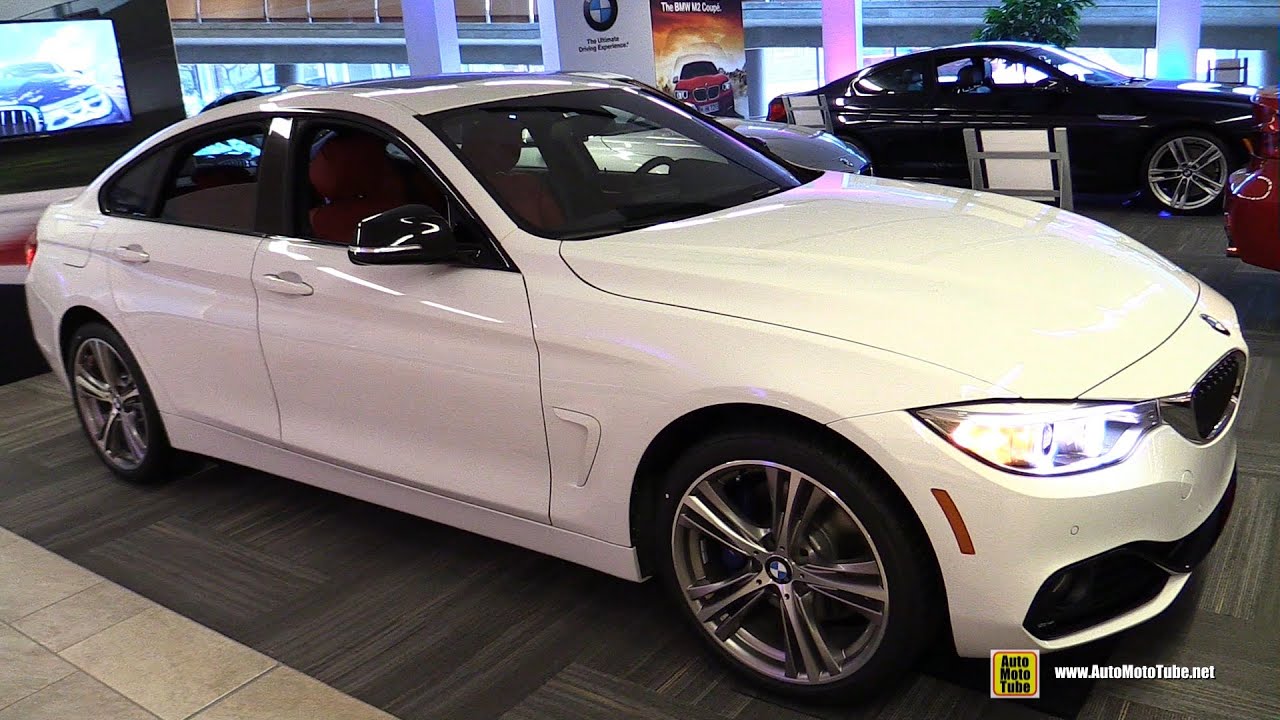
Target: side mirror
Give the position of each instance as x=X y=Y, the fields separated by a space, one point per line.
x=757 y=143
x=407 y=235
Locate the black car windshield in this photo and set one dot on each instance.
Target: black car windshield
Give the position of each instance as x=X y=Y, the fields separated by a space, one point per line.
x=698 y=69
x=1080 y=68
x=583 y=164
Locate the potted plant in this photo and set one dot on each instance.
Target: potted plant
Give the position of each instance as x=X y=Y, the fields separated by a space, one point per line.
x=1051 y=22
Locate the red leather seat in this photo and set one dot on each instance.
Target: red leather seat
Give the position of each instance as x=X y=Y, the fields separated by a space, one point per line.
x=493 y=147
x=353 y=175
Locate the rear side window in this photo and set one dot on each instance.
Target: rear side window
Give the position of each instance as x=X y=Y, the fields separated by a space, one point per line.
x=899 y=79
x=132 y=193
x=214 y=182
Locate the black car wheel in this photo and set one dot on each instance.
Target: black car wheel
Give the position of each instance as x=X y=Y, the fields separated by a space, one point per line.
x=796 y=564
x=115 y=405
x=1186 y=172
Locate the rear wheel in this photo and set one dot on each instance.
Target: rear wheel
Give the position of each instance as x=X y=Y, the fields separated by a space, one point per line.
x=1187 y=172
x=115 y=405
x=796 y=564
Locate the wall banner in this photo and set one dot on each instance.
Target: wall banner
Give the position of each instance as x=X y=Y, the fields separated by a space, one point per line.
x=603 y=36
x=699 y=50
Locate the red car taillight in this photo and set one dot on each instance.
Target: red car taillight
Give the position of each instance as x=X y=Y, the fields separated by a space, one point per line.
x=1266 y=110
x=777 y=111
x=31 y=249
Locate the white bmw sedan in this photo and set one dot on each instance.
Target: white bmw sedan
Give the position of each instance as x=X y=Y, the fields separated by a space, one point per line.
x=833 y=414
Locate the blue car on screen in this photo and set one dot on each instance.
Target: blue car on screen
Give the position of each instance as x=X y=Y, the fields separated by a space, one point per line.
x=43 y=97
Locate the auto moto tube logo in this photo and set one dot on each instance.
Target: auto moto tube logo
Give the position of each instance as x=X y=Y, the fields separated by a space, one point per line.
x=1015 y=674
x=600 y=14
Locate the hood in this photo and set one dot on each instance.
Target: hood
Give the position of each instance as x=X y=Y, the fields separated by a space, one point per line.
x=701 y=81
x=41 y=90
x=1195 y=88
x=1043 y=303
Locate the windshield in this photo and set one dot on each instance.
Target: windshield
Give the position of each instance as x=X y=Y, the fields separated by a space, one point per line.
x=584 y=164
x=22 y=70
x=698 y=69
x=1080 y=68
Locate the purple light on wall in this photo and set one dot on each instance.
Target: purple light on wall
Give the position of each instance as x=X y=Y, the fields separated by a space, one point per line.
x=841 y=37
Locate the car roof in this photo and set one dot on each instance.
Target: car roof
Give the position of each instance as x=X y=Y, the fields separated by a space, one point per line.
x=433 y=93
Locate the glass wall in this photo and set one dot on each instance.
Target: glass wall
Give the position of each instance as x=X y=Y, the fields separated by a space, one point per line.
x=203 y=83
x=517 y=11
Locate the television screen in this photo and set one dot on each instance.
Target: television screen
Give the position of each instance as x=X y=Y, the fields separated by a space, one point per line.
x=60 y=75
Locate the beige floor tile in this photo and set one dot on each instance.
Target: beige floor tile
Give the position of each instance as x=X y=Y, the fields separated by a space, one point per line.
x=32 y=578
x=86 y=613
x=167 y=663
x=75 y=697
x=286 y=694
x=7 y=537
x=25 y=667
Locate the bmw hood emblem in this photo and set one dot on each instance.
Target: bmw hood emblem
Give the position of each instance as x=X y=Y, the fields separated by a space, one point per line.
x=1215 y=323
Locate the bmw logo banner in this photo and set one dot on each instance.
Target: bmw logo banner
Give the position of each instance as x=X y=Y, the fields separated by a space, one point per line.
x=600 y=14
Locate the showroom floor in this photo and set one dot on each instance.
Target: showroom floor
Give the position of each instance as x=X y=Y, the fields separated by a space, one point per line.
x=423 y=621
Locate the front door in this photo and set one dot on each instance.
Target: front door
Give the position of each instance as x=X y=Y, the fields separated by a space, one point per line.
x=426 y=375
x=993 y=92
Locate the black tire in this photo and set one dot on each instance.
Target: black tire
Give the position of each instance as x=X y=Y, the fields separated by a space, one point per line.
x=158 y=457
x=1164 y=198
x=916 y=606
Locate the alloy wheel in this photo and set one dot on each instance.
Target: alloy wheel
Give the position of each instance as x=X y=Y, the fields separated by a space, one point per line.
x=780 y=572
x=110 y=404
x=1187 y=173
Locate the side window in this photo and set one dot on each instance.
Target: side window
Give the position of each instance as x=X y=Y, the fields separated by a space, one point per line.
x=132 y=193
x=1011 y=73
x=214 y=183
x=898 y=79
x=949 y=73
x=346 y=174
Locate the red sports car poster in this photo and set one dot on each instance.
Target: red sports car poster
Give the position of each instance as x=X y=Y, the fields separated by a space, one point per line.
x=699 y=51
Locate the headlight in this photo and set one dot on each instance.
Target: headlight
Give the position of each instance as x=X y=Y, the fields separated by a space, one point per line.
x=726 y=85
x=1044 y=438
x=682 y=94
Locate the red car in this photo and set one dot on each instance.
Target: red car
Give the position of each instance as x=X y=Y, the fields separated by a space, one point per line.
x=1253 y=203
x=706 y=87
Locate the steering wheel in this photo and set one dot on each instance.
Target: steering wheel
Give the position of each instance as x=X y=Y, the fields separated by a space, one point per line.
x=654 y=162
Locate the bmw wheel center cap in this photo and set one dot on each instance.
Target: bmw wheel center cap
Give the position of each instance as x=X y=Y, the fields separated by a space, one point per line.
x=779 y=570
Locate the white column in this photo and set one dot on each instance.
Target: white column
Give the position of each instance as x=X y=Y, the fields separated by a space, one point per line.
x=1178 y=39
x=841 y=37
x=547 y=28
x=431 y=37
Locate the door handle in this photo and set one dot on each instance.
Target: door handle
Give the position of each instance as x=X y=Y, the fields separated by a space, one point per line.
x=285 y=283
x=132 y=253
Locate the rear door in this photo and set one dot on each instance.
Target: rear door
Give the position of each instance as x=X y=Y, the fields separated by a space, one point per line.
x=180 y=261
x=888 y=113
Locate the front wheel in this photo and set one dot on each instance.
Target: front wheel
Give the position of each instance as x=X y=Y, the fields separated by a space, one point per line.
x=1187 y=172
x=797 y=564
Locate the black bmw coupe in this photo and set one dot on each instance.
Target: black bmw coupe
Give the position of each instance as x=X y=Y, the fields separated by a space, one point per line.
x=1176 y=141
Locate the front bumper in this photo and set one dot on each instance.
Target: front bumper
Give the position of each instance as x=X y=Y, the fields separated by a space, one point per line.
x=1024 y=530
x=1094 y=591
x=1164 y=506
